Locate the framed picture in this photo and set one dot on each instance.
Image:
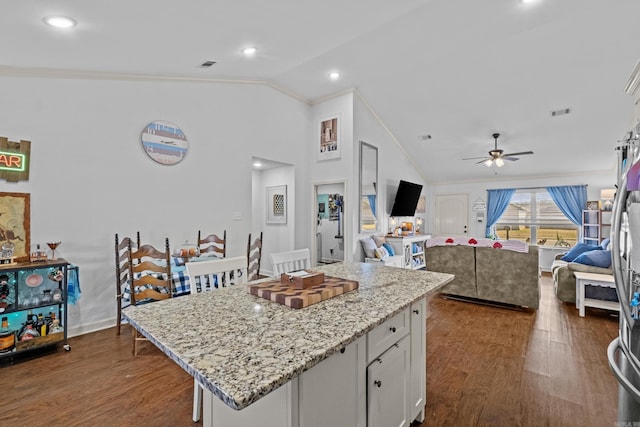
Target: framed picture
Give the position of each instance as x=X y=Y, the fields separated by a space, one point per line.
x=277 y=204
x=593 y=205
x=330 y=146
x=15 y=223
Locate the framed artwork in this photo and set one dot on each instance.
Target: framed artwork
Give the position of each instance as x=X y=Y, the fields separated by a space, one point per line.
x=277 y=204
x=164 y=142
x=593 y=205
x=15 y=223
x=330 y=146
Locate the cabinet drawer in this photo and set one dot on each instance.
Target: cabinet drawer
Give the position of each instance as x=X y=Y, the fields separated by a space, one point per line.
x=387 y=334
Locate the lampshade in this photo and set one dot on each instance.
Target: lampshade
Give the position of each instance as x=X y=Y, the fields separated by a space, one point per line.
x=499 y=162
x=488 y=163
x=608 y=193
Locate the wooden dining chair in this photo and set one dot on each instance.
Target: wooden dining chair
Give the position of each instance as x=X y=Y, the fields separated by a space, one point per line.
x=150 y=278
x=212 y=244
x=254 y=254
x=284 y=262
x=122 y=271
x=223 y=272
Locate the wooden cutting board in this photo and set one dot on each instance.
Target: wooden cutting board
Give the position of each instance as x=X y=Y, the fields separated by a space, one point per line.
x=301 y=298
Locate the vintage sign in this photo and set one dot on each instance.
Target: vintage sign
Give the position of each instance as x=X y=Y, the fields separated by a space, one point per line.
x=14 y=160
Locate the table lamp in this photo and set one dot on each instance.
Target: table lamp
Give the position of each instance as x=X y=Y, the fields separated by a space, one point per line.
x=606 y=198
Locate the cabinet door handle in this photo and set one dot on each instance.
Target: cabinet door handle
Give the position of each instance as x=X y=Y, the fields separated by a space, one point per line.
x=378 y=383
x=392 y=329
x=416 y=311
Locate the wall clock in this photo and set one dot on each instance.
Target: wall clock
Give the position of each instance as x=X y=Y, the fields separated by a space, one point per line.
x=164 y=142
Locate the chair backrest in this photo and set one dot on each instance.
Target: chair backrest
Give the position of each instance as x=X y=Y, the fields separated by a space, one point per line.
x=212 y=274
x=213 y=244
x=150 y=273
x=122 y=260
x=254 y=254
x=285 y=262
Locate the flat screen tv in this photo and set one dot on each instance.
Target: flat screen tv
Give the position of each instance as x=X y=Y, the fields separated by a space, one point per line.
x=406 y=199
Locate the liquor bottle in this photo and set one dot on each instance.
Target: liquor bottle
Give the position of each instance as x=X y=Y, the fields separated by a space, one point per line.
x=41 y=326
x=7 y=337
x=29 y=332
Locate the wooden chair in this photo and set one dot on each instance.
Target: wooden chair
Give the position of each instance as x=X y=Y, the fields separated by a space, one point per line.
x=122 y=271
x=213 y=244
x=150 y=271
x=254 y=254
x=284 y=262
x=224 y=272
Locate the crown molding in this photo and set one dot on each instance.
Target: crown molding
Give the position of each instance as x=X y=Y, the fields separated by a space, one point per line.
x=73 y=74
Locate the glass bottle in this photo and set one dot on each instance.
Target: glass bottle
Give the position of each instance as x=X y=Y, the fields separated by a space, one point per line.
x=29 y=333
x=57 y=295
x=55 y=327
x=47 y=298
x=7 y=337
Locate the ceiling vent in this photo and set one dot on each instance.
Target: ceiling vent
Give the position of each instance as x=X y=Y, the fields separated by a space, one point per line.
x=207 y=64
x=560 y=112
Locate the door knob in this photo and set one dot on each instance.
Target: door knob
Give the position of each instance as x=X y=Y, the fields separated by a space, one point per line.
x=392 y=329
x=416 y=311
x=378 y=383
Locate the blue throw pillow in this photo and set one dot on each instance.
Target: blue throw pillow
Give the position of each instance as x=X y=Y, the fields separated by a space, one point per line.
x=389 y=249
x=605 y=243
x=577 y=250
x=597 y=258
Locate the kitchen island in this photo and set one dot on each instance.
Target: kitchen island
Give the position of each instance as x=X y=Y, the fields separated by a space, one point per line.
x=251 y=353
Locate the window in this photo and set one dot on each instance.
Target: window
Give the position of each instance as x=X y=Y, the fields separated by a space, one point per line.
x=532 y=216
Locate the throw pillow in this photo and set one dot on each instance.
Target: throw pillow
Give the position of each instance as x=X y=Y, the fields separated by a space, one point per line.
x=389 y=249
x=368 y=246
x=597 y=258
x=577 y=250
x=381 y=252
x=380 y=240
x=605 y=243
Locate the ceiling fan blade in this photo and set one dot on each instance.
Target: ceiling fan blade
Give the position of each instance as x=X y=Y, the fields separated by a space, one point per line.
x=474 y=158
x=513 y=159
x=484 y=160
x=522 y=153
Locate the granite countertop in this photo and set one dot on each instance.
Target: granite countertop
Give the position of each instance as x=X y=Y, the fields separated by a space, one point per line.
x=242 y=347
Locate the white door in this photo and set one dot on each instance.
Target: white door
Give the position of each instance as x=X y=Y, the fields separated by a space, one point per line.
x=452 y=214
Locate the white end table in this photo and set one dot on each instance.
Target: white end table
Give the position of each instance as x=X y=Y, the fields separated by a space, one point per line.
x=593 y=279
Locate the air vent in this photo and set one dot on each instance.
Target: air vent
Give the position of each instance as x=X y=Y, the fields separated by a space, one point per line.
x=207 y=64
x=560 y=112
x=424 y=137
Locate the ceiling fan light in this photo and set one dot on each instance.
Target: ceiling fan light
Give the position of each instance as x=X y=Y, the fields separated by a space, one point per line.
x=488 y=162
x=499 y=162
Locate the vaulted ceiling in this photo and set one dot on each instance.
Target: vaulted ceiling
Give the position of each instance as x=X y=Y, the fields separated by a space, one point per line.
x=456 y=70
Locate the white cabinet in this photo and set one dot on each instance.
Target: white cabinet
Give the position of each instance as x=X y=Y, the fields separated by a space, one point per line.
x=411 y=248
x=387 y=385
x=390 y=261
x=338 y=382
x=591 y=225
x=418 y=371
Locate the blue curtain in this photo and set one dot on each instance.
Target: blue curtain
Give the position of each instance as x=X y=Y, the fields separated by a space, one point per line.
x=571 y=200
x=372 y=203
x=497 y=202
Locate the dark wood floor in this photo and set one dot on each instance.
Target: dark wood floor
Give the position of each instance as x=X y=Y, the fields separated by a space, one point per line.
x=486 y=366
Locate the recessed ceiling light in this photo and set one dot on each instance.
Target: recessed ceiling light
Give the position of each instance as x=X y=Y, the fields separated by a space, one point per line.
x=249 y=51
x=257 y=164
x=59 y=21
x=528 y=1
x=334 y=75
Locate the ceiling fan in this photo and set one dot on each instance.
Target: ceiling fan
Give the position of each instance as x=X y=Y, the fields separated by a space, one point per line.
x=496 y=156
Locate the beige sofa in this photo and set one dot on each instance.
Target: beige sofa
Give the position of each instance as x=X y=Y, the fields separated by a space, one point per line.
x=489 y=274
x=564 y=282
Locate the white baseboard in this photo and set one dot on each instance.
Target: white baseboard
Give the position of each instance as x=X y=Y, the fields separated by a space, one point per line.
x=92 y=327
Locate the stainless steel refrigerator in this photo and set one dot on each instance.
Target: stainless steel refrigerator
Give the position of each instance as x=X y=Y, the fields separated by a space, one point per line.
x=624 y=351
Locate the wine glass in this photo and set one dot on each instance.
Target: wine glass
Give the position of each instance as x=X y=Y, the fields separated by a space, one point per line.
x=53 y=246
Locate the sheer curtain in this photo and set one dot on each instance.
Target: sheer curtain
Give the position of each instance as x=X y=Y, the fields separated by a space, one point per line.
x=571 y=200
x=497 y=202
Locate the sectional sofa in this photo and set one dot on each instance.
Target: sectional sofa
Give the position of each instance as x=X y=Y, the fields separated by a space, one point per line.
x=489 y=274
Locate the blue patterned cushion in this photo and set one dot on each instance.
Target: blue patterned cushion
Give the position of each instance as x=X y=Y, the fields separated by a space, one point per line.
x=577 y=250
x=389 y=249
x=597 y=258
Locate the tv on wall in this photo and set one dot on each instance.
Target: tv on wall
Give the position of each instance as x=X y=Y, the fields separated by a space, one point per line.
x=406 y=199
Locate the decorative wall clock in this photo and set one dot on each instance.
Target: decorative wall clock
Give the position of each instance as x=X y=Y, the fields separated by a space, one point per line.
x=164 y=142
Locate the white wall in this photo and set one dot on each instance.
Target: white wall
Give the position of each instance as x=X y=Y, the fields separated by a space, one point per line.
x=90 y=177
x=393 y=165
x=478 y=190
